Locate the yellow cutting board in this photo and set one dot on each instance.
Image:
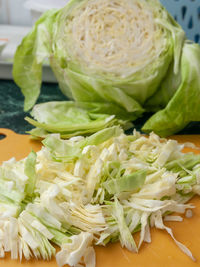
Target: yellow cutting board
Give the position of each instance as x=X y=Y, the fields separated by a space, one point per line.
x=161 y=252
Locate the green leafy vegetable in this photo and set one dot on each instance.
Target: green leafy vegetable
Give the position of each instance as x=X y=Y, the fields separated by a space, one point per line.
x=126 y=238
x=93 y=190
x=128 y=183
x=69 y=119
x=188 y=161
x=183 y=106
x=70 y=151
x=135 y=60
x=29 y=170
x=32 y=52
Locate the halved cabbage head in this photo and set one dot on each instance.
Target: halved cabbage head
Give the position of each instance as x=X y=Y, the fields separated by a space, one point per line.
x=113 y=51
x=113 y=39
x=118 y=51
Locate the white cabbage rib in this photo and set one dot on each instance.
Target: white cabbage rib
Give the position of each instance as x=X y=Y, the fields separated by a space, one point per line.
x=119 y=37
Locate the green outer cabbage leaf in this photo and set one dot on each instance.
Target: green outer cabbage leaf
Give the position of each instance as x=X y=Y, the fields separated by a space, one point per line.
x=183 y=107
x=70 y=119
x=122 y=95
x=30 y=55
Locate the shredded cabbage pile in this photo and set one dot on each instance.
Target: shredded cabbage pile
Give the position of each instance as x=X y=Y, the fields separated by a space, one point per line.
x=89 y=191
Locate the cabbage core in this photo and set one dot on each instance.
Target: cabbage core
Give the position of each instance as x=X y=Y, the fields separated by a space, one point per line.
x=115 y=37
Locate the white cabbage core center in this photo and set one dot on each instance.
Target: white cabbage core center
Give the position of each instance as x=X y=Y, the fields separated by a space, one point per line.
x=114 y=36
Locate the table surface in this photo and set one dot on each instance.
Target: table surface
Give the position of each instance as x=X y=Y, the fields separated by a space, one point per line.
x=12 y=101
x=12 y=114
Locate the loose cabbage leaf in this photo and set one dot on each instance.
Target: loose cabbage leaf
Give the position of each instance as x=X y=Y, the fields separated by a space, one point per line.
x=68 y=119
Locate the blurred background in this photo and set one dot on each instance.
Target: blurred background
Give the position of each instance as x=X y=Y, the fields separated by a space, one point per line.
x=23 y=12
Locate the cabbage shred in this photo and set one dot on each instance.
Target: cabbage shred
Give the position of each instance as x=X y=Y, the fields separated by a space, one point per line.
x=111 y=186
